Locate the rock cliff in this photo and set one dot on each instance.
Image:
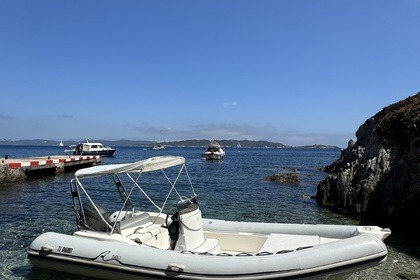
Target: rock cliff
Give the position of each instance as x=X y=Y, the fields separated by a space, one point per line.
x=378 y=176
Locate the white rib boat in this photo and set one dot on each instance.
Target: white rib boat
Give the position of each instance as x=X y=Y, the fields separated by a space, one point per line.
x=174 y=241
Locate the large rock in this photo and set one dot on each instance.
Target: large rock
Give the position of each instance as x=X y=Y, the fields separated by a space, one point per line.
x=378 y=176
x=9 y=175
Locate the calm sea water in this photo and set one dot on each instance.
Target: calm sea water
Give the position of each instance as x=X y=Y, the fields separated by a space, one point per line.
x=230 y=189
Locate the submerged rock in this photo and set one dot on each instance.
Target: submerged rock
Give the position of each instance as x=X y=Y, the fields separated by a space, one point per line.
x=379 y=174
x=291 y=178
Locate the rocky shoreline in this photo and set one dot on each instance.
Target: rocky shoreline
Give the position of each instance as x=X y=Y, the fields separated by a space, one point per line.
x=378 y=176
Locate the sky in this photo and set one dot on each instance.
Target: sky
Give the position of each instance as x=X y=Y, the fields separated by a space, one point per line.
x=297 y=72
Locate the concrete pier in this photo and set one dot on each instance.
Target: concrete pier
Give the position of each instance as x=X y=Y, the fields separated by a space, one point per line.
x=12 y=170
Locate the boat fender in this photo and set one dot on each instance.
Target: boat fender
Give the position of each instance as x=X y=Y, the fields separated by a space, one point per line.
x=173 y=230
x=176 y=267
x=47 y=248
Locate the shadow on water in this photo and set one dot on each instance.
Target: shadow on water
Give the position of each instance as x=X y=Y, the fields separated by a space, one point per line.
x=408 y=243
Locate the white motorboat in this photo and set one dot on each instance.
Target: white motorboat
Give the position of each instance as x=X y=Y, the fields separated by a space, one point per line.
x=214 y=151
x=170 y=239
x=90 y=148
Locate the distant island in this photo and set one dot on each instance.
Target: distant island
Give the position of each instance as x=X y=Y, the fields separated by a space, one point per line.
x=184 y=143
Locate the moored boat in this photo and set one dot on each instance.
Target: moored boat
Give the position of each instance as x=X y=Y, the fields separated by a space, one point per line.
x=170 y=238
x=214 y=151
x=158 y=147
x=90 y=148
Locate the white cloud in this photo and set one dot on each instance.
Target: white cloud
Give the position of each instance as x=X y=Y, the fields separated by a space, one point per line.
x=230 y=104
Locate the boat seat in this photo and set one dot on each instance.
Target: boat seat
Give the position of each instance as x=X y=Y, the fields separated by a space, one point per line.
x=211 y=245
x=276 y=242
x=146 y=233
x=128 y=226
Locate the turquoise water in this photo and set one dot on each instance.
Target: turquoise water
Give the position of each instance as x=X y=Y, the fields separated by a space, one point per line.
x=230 y=189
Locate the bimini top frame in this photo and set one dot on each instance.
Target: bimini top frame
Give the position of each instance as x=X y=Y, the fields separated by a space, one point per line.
x=147 y=165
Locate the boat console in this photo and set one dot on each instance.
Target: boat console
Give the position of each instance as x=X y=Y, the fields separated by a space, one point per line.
x=190 y=226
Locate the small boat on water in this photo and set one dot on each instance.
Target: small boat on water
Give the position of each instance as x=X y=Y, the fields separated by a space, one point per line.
x=214 y=151
x=158 y=147
x=168 y=238
x=90 y=148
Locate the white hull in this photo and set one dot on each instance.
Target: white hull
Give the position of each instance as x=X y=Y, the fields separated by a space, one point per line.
x=158 y=148
x=212 y=156
x=331 y=258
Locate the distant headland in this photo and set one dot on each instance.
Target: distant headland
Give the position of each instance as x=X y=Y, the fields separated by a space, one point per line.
x=184 y=143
